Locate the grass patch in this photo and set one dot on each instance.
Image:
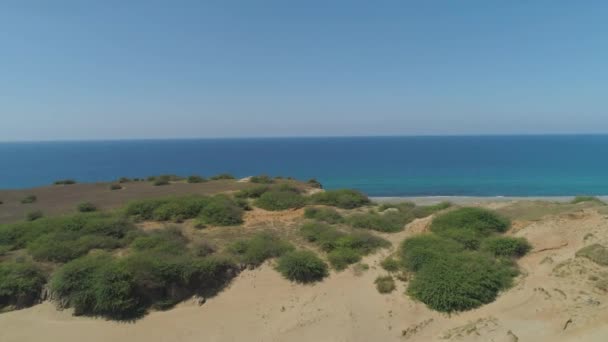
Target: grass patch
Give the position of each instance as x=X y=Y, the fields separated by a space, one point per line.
x=505 y=246
x=29 y=199
x=261 y=179
x=257 y=249
x=302 y=267
x=389 y=222
x=341 y=257
x=390 y=264
x=20 y=284
x=385 y=284
x=596 y=253
x=221 y=211
x=328 y=215
x=253 y=192
x=86 y=207
x=344 y=198
x=591 y=199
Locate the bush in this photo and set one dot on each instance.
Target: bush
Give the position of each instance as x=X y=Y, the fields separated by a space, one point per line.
x=346 y=199
x=161 y=181
x=280 y=200
x=596 y=253
x=144 y=209
x=20 y=284
x=124 y=180
x=29 y=199
x=222 y=176
x=325 y=236
x=388 y=222
x=180 y=208
x=115 y=187
x=421 y=250
x=302 y=267
x=592 y=199
x=478 y=220
x=253 y=192
x=341 y=257
x=257 y=249
x=221 y=211
x=86 y=207
x=97 y=285
x=504 y=246
x=314 y=183
x=390 y=264
x=385 y=284
x=261 y=179
x=427 y=210
x=328 y=215
x=167 y=241
x=65 y=182
x=34 y=215
x=460 y=282
x=196 y=179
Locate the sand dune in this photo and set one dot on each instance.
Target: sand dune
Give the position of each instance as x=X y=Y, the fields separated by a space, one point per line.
x=553 y=300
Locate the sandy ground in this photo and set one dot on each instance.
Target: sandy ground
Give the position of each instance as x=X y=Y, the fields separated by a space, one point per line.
x=553 y=300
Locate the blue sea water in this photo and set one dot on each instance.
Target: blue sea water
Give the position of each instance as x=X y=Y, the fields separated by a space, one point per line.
x=380 y=166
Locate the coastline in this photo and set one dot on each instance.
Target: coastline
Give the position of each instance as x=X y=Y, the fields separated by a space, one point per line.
x=426 y=200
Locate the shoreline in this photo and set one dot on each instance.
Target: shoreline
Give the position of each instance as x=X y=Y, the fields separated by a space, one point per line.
x=426 y=200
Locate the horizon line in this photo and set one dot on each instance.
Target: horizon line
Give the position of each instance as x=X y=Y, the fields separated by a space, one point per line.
x=305 y=137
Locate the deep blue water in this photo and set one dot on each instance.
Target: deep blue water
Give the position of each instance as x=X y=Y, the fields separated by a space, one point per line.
x=379 y=166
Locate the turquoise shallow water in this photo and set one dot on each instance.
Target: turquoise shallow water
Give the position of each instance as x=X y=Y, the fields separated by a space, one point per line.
x=379 y=166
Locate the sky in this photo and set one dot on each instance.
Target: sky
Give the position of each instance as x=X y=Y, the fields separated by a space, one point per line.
x=201 y=69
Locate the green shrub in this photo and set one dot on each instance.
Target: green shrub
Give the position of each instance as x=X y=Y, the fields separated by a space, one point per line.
x=314 y=183
x=596 y=253
x=29 y=199
x=144 y=209
x=481 y=221
x=421 y=250
x=325 y=236
x=389 y=222
x=253 y=192
x=261 y=179
x=257 y=249
x=222 y=176
x=362 y=242
x=97 y=285
x=341 y=257
x=167 y=241
x=592 y=199
x=34 y=215
x=221 y=211
x=86 y=207
x=385 y=284
x=196 y=179
x=345 y=198
x=328 y=215
x=504 y=246
x=460 y=282
x=390 y=264
x=180 y=208
x=124 y=180
x=65 y=182
x=161 y=181
x=280 y=200
x=302 y=267
x=427 y=210
x=115 y=187
x=202 y=249
x=401 y=206
x=20 y=284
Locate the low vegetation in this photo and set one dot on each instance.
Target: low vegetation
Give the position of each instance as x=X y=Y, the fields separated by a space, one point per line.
x=29 y=199
x=302 y=267
x=390 y=264
x=195 y=179
x=595 y=252
x=64 y=182
x=222 y=176
x=261 y=179
x=86 y=207
x=391 y=218
x=115 y=187
x=253 y=192
x=385 y=284
x=327 y=215
x=34 y=215
x=314 y=183
x=20 y=284
x=343 y=248
x=280 y=199
x=583 y=199
x=344 y=198
x=221 y=211
x=464 y=262
x=257 y=249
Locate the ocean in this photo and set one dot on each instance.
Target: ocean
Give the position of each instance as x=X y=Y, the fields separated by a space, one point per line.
x=547 y=165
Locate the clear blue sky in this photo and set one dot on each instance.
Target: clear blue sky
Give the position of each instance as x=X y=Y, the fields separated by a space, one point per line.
x=163 y=69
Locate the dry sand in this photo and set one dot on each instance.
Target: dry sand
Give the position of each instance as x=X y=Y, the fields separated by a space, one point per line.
x=553 y=300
